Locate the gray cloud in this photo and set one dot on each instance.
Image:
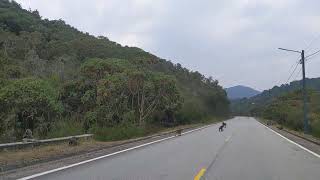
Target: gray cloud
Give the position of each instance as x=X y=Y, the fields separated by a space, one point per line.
x=234 y=41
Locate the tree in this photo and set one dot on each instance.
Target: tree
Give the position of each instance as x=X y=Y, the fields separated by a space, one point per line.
x=151 y=92
x=28 y=104
x=112 y=95
x=96 y=68
x=98 y=80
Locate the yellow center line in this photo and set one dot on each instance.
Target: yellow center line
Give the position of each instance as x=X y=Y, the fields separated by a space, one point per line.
x=200 y=174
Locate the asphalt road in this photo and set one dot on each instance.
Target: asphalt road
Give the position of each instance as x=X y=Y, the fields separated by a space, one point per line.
x=246 y=150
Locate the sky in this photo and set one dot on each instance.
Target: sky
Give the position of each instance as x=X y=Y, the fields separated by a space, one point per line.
x=234 y=41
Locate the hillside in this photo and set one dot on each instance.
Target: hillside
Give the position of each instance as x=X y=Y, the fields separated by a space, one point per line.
x=284 y=105
x=56 y=80
x=245 y=105
x=238 y=92
x=287 y=111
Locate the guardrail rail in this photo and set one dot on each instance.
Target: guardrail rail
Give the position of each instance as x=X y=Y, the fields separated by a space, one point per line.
x=19 y=145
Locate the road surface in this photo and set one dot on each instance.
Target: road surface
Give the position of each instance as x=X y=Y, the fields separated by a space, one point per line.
x=246 y=150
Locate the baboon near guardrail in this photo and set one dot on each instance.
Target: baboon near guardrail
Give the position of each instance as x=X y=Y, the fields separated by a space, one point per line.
x=179 y=132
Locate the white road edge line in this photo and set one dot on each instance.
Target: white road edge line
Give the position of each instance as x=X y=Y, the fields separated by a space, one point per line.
x=107 y=155
x=302 y=147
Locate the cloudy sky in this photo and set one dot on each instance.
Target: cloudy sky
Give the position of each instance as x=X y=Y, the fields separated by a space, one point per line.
x=235 y=41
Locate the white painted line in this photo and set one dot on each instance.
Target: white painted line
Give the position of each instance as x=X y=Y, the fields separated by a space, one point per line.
x=107 y=155
x=228 y=138
x=302 y=147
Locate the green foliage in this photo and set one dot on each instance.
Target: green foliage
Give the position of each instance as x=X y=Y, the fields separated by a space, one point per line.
x=118 y=132
x=246 y=106
x=65 y=127
x=192 y=111
x=51 y=71
x=28 y=104
x=287 y=111
x=90 y=120
x=97 y=69
x=118 y=88
x=315 y=128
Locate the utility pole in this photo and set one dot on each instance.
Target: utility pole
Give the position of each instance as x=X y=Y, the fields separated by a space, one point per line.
x=305 y=109
x=305 y=116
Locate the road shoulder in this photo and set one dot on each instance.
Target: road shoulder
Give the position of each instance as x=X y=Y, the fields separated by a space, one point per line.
x=306 y=142
x=83 y=156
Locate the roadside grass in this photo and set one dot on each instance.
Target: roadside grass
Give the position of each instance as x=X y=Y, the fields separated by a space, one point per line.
x=118 y=133
x=105 y=138
x=211 y=120
x=131 y=131
x=34 y=154
x=315 y=128
x=64 y=128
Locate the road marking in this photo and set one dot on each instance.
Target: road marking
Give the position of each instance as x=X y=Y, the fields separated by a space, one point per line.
x=200 y=174
x=108 y=155
x=228 y=138
x=218 y=153
x=302 y=147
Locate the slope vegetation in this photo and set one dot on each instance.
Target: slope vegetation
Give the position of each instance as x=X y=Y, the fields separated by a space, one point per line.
x=56 y=80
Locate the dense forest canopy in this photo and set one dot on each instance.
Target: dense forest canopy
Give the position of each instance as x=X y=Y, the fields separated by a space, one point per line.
x=51 y=74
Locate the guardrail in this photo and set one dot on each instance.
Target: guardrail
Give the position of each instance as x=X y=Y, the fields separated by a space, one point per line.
x=19 y=145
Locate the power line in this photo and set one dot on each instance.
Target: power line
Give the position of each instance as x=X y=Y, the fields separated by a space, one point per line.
x=310 y=55
x=292 y=67
x=313 y=55
x=302 y=61
x=298 y=73
x=310 y=58
x=312 y=41
x=293 y=72
x=280 y=82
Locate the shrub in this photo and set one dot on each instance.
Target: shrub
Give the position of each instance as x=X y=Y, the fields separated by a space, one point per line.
x=65 y=127
x=191 y=111
x=315 y=129
x=118 y=133
x=28 y=104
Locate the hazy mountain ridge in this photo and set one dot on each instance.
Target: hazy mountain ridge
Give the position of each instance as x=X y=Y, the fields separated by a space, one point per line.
x=238 y=92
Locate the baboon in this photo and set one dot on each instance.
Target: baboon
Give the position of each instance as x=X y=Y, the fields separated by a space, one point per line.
x=221 y=128
x=224 y=124
x=178 y=132
x=28 y=134
x=73 y=141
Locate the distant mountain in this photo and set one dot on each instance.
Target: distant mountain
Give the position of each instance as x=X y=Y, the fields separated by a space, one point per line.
x=246 y=105
x=238 y=92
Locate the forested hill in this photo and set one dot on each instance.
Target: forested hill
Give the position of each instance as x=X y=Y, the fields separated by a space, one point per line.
x=238 y=92
x=54 y=77
x=246 y=105
x=286 y=110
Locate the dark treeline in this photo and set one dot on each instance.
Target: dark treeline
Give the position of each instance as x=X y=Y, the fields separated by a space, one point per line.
x=56 y=80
